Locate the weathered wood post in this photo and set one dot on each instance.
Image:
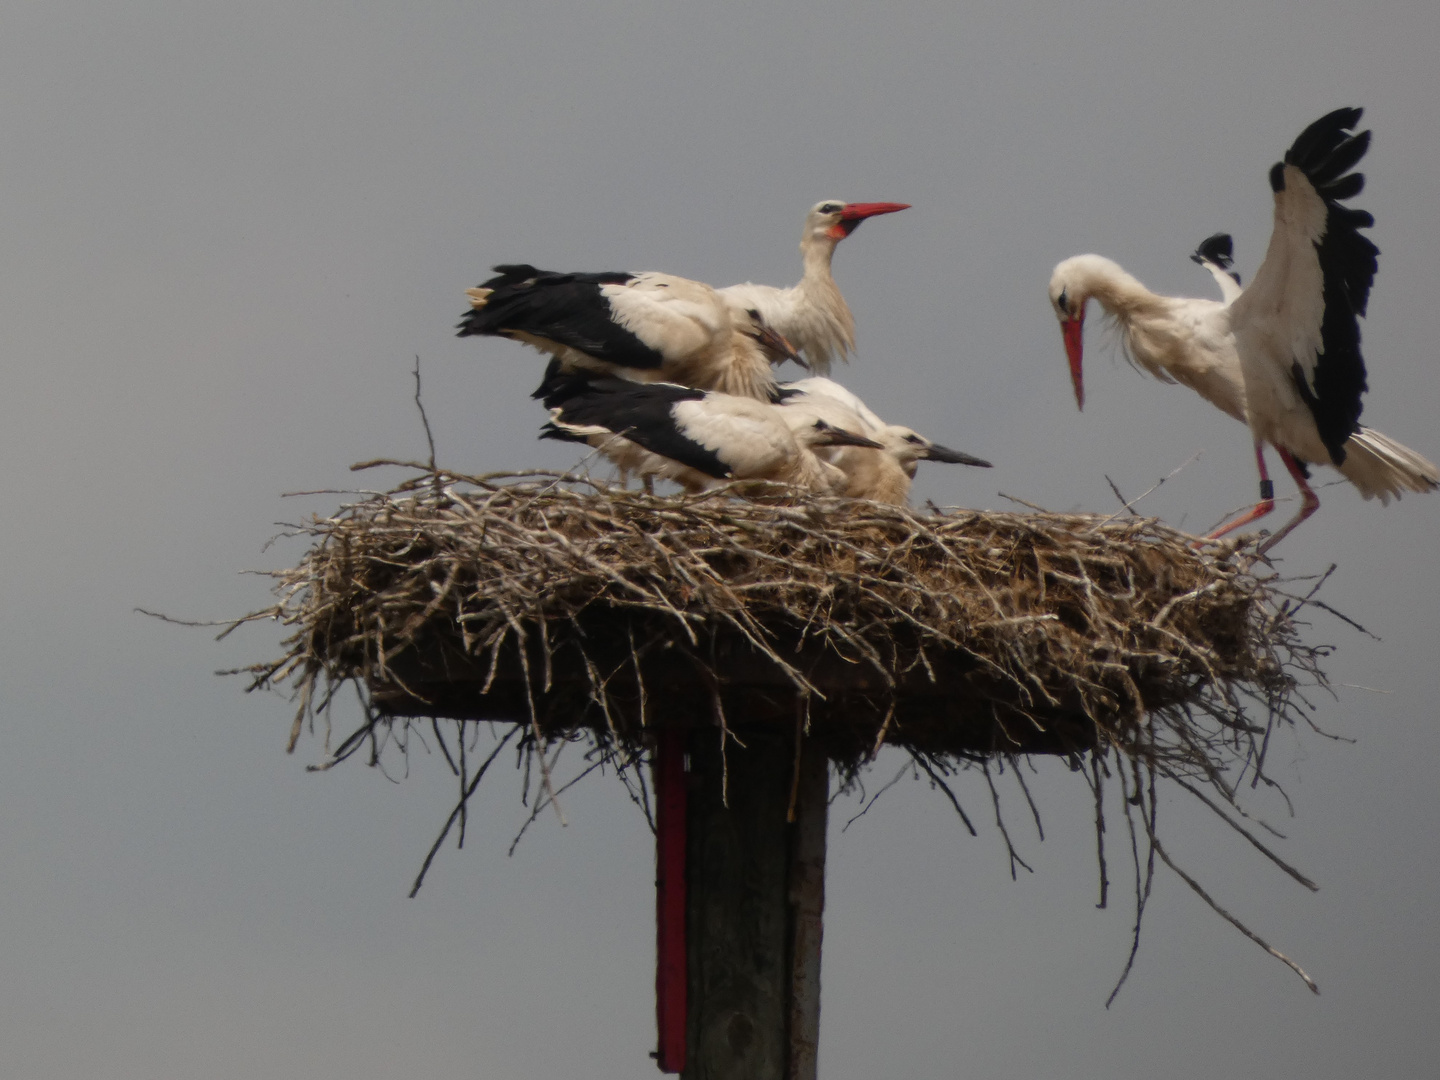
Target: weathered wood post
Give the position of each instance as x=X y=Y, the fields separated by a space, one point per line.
x=807 y=906
x=753 y=894
x=737 y=919
x=671 y=816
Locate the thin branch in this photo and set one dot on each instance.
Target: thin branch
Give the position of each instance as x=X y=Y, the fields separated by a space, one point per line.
x=459 y=809
x=1232 y=920
x=429 y=436
x=1128 y=505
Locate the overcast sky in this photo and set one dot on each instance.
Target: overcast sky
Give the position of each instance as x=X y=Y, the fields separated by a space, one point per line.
x=227 y=231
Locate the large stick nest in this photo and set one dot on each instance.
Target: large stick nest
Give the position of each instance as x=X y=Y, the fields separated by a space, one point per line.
x=574 y=610
x=569 y=605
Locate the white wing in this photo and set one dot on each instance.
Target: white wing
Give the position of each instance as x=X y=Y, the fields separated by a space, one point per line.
x=1296 y=326
x=748 y=436
x=677 y=317
x=828 y=390
x=1282 y=311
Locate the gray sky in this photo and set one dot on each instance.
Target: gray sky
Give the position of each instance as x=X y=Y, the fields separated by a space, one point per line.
x=227 y=231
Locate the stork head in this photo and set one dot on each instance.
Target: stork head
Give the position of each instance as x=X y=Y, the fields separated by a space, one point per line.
x=835 y=219
x=1069 y=293
x=909 y=448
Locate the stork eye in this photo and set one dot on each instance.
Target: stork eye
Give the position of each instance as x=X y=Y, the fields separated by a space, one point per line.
x=914 y=439
x=1062 y=298
x=831 y=208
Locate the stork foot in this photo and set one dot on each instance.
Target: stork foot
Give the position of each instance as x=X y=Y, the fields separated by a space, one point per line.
x=1255 y=513
x=1309 y=507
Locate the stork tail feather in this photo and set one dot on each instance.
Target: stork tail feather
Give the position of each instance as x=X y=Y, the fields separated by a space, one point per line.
x=1379 y=466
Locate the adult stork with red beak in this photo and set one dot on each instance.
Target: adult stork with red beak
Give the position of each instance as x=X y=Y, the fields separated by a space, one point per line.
x=812 y=315
x=1284 y=354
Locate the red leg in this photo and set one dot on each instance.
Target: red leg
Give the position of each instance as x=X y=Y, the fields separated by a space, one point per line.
x=670 y=968
x=1267 y=497
x=1309 y=506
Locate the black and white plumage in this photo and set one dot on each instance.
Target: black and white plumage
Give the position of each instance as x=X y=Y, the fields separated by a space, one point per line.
x=883 y=474
x=1283 y=355
x=1216 y=254
x=642 y=326
x=812 y=314
x=1297 y=326
x=698 y=438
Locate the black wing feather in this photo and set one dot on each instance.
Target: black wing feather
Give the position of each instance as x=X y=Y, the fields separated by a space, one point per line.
x=568 y=309
x=1340 y=161
x=1313 y=144
x=1218 y=248
x=1347 y=187
x=1325 y=152
x=641 y=412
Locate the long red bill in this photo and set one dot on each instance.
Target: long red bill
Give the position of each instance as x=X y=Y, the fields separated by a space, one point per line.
x=859 y=211
x=856 y=212
x=1074 y=331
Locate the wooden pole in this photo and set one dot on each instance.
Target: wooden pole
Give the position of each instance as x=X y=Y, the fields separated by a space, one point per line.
x=807 y=907
x=738 y=870
x=670 y=906
x=754 y=892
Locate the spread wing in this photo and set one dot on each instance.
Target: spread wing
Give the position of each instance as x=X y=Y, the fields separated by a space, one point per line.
x=1301 y=312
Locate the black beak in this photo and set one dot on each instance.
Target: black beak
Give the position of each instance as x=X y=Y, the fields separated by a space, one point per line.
x=777 y=348
x=954 y=457
x=833 y=436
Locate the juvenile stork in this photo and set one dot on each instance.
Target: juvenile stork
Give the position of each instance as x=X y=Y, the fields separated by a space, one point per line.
x=813 y=314
x=697 y=438
x=882 y=475
x=1282 y=355
x=645 y=327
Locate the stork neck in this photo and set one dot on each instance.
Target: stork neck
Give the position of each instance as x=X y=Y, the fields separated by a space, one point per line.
x=817 y=251
x=1118 y=292
x=821 y=322
x=1160 y=333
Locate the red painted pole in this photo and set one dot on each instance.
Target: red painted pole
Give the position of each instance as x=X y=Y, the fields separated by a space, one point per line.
x=670 y=969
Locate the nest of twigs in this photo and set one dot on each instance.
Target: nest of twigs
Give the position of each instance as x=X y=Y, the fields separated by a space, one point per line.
x=577 y=610
x=567 y=605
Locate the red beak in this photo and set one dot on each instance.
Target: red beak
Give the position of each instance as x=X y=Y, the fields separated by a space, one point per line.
x=856 y=212
x=1074 y=331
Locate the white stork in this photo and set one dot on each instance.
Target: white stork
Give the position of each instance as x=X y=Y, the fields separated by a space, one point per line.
x=1284 y=354
x=697 y=438
x=812 y=314
x=645 y=327
x=884 y=474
